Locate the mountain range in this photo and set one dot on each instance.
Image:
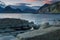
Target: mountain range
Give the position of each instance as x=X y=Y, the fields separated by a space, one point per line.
x=16 y=9
x=9 y=9
x=50 y=8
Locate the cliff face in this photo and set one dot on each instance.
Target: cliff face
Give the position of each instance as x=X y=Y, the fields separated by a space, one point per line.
x=50 y=8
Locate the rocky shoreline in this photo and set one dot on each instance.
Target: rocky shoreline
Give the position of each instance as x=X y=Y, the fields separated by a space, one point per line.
x=52 y=33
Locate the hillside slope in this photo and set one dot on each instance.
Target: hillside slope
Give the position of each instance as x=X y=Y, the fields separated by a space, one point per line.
x=50 y=8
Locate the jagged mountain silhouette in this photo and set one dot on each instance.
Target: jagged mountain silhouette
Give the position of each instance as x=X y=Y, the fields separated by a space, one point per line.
x=9 y=9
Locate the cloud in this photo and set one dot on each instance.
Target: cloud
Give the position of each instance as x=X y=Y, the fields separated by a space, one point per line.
x=50 y=1
x=30 y=0
x=23 y=4
x=47 y=1
x=33 y=2
x=43 y=1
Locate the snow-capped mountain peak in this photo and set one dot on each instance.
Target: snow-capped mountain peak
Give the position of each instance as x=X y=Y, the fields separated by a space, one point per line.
x=2 y=4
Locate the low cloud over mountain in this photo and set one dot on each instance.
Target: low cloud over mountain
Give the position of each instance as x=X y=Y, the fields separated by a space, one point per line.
x=18 y=8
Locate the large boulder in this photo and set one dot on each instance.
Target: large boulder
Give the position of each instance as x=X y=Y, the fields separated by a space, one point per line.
x=13 y=23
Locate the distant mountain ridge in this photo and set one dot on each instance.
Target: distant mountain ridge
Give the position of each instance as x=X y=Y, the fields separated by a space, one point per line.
x=50 y=8
x=15 y=9
x=9 y=9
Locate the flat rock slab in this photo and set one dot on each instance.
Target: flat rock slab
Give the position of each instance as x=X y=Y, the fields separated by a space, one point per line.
x=52 y=33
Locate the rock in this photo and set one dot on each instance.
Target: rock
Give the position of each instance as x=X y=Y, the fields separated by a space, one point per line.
x=45 y=25
x=51 y=33
x=15 y=24
x=10 y=37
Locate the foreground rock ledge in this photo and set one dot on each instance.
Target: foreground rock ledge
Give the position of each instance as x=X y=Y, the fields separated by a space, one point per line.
x=52 y=33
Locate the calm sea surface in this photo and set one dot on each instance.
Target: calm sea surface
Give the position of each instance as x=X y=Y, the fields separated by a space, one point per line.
x=36 y=18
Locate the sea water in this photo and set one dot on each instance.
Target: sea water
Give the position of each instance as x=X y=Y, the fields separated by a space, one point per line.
x=36 y=18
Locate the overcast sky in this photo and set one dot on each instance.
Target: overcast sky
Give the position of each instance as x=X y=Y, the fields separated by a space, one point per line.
x=32 y=2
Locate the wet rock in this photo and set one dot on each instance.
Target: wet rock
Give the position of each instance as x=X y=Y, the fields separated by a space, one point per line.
x=52 y=33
